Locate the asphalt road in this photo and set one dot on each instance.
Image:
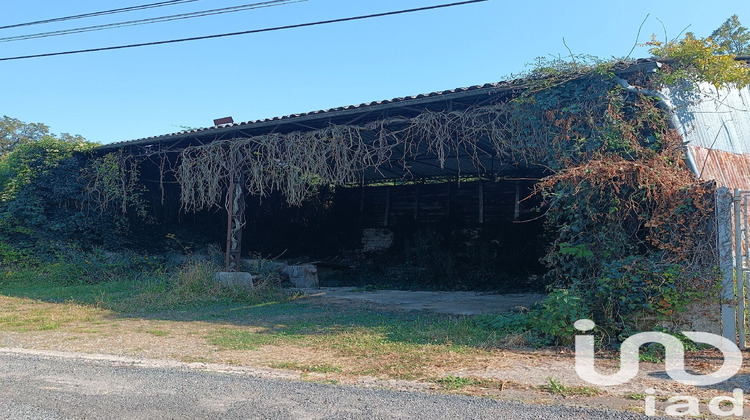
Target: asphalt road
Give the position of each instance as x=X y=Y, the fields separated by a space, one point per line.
x=39 y=386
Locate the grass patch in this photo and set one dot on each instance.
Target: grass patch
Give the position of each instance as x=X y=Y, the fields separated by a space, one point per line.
x=233 y=339
x=191 y=285
x=556 y=387
x=395 y=345
x=636 y=396
x=317 y=368
x=362 y=341
x=458 y=382
x=22 y=315
x=158 y=332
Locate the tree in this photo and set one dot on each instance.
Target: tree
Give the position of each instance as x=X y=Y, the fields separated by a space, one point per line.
x=732 y=37
x=14 y=132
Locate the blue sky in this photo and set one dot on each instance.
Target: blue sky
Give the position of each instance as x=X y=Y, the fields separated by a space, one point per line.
x=128 y=94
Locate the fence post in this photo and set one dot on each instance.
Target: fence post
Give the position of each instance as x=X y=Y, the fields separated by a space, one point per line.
x=726 y=262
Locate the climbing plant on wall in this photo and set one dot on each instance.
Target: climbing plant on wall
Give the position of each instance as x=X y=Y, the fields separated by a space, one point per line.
x=618 y=195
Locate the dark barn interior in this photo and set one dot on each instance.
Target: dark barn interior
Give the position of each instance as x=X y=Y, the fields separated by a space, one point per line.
x=411 y=224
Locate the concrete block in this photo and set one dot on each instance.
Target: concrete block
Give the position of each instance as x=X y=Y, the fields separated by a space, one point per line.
x=235 y=279
x=302 y=276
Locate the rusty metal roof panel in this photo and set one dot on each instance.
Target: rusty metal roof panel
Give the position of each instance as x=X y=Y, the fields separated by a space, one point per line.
x=716 y=126
x=728 y=169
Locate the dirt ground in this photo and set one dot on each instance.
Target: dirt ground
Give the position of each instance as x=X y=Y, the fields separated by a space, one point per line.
x=508 y=374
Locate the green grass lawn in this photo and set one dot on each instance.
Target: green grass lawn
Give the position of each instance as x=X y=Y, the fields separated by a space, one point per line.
x=352 y=339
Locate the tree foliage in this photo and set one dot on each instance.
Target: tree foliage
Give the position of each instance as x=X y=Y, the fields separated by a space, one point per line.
x=14 y=132
x=44 y=210
x=731 y=37
x=701 y=59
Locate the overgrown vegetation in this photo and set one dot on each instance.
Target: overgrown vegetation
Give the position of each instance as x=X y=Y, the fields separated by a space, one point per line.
x=132 y=283
x=632 y=245
x=633 y=250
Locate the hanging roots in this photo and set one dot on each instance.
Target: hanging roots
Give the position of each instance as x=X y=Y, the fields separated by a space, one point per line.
x=298 y=162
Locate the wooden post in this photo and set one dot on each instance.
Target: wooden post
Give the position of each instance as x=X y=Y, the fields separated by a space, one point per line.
x=235 y=219
x=517 y=209
x=726 y=262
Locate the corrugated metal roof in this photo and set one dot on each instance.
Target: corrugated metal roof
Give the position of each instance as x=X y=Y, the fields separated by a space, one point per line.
x=624 y=67
x=727 y=168
x=477 y=90
x=716 y=126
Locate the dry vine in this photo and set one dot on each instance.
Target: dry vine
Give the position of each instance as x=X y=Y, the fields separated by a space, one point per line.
x=114 y=183
x=295 y=163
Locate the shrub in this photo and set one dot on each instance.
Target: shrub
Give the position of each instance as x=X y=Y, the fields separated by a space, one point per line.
x=555 y=318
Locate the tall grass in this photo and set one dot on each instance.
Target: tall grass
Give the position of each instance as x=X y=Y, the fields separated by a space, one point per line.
x=130 y=283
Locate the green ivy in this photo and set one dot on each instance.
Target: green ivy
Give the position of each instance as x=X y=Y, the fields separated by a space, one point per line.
x=44 y=211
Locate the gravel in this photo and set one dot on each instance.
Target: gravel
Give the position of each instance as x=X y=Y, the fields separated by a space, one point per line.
x=38 y=386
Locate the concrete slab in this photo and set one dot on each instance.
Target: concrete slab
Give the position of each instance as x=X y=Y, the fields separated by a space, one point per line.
x=456 y=303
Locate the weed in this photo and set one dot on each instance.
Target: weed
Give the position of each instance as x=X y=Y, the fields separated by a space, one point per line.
x=456 y=382
x=318 y=368
x=556 y=387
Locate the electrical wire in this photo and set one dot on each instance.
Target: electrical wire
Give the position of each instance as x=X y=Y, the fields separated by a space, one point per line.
x=147 y=21
x=101 y=13
x=253 y=31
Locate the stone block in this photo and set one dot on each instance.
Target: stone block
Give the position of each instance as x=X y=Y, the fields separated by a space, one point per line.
x=235 y=279
x=302 y=276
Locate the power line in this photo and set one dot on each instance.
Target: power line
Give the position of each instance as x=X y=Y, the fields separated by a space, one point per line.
x=254 y=31
x=147 y=21
x=100 y=13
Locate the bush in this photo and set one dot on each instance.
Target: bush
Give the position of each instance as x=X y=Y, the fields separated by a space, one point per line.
x=632 y=294
x=43 y=205
x=635 y=293
x=555 y=318
x=550 y=322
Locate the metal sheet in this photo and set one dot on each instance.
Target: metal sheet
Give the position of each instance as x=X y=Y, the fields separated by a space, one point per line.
x=716 y=126
x=728 y=169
